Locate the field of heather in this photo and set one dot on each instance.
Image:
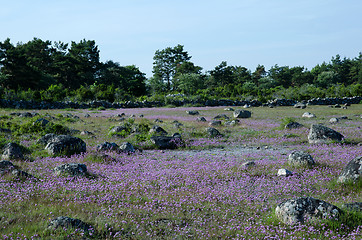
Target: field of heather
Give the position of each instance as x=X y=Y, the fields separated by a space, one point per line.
x=201 y=190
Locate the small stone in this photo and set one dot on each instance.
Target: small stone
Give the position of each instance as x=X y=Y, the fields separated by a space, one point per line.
x=284 y=172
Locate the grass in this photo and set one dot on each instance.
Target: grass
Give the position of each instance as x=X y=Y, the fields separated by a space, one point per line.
x=200 y=191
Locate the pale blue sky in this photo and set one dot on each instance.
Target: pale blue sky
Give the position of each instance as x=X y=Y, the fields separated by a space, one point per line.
x=244 y=33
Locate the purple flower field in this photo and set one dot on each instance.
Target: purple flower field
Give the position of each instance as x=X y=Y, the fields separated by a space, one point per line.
x=200 y=191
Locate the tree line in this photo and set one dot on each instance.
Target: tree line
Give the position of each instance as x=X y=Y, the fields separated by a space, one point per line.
x=53 y=71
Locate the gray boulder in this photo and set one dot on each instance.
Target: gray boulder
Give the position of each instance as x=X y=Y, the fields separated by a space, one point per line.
x=355 y=206
x=17 y=173
x=193 y=112
x=300 y=210
x=213 y=132
x=352 y=172
x=41 y=121
x=166 y=142
x=86 y=133
x=201 y=119
x=282 y=172
x=229 y=109
x=321 y=134
x=6 y=167
x=71 y=169
x=215 y=123
x=242 y=114
x=293 y=125
x=308 y=115
x=65 y=144
x=221 y=116
x=300 y=105
x=67 y=222
x=333 y=120
x=107 y=146
x=117 y=129
x=126 y=147
x=300 y=158
x=12 y=151
x=157 y=130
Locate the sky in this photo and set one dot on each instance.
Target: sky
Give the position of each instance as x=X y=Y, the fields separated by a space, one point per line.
x=242 y=32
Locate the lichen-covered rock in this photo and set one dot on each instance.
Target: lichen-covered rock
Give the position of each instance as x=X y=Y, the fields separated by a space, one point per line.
x=321 y=134
x=118 y=129
x=300 y=105
x=352 y=172
x=165 y=142
x=67 y=222
x=242 y=114
x=107 y=146
x=333 y=120
x=301 y=210
x=293 y=125
x=354 y=206
x=221 y=116
x=193 y=112
x=41 y=121
x=12 y=151
x=308 y=115
x=126 y=147
x=65 y=144
x=157 y=130
x=215 y=123
x=300 y=158
x=6 y=167
x=213 y=132
x=71 y=169
x=201 y=119
x=282 y=172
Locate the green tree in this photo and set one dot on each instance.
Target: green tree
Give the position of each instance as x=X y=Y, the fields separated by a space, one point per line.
x=165 y=65
x=190 y=83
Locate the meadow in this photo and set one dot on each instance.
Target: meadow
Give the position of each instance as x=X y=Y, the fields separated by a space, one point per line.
x=201 y=190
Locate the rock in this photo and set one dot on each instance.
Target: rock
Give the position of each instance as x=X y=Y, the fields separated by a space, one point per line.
x=248 y=164
x=46 y=139
x=178 y=125
x=165 y=142
x=337 y=106
x=333 y=120
x=352 y=172
x=67 y=222
x=87 y=115
x=293 y=125
x=65 y=144
x=20 y=174
x=300 y=158
x=157 y=130
x=321 y=134
x=308 y=115
x=118 y=129
x=246 y=106
x=215 y=123
x=355 y=206
x=41 y=121
x=12 y=151
x=126 y=147
x=231 y=123
x=176 y=135
x=107 y=146
x=193 y=112
x=300 y=105
x=301 y=210
x=242 y=114
x=284 y=172
x=229 y=109
x=221 y=116
x=158 y=120
x=201 y=119
x=6 y=167
x=86 y=133
x=71 y=169
x=213 y=132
